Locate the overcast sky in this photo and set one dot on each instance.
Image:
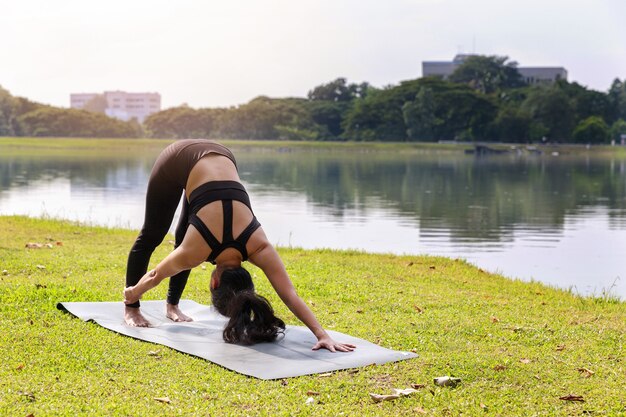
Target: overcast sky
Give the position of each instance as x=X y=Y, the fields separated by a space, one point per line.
x=210 y=53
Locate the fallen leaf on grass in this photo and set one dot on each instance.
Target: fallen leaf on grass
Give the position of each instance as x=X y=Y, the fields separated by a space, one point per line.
x=494 y=319
x=418 y=309
x=33 y=245
x=58 y=243
x=586 y=372
x=5 y=272
x=41 y=267
x=30 y=415
x=326 y=375
x=524 y=360
x=284 y=382
x=165 y=400
x=397 y=393
x=19 y=367
x=360 y=311
x=571 y=397
x=28 y=395
x=418 y=386
x=154 y=353
x=499 y=367
x=409 y=264
x=420 y=410
x=431 y=267
x=560 y=348
x=309 y=393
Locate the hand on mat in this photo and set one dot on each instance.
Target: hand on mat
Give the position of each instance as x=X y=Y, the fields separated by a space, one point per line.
x=330 y=344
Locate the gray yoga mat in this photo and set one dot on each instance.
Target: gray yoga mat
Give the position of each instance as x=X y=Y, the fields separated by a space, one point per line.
x=290 y=356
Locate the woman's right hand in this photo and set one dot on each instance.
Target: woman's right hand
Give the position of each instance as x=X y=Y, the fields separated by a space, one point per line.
x=129 y=295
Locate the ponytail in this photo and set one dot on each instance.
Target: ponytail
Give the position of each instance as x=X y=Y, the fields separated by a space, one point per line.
x=252 y=318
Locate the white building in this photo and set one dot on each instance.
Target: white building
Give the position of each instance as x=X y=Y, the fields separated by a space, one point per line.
x=122 y=105
x=531 y=75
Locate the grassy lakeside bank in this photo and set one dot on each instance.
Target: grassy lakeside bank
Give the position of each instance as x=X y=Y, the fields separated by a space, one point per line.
x=24 y=145
x=517 y=346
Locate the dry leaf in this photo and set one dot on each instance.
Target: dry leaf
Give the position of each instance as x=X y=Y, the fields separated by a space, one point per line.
x=409 y=264
x=326 y=375
x=571 y=397
x=41 y=267
x=560 y=348
x=58 y=243
x=309 y=393
x=397 y=393
x=283 y=382
x=154 y=353
x=19 y=367
x=30 y=415
x=431 y=267
x=354 y=371
x=165 y=400
x=420 y=410
x=28 y=395
x=499 y=367
x=5 y=272
x=524 y=360
x=494 y=319
x=33 y=245
x=585 y=372
x=360 y=311
x=418 y=386
x=418 y=309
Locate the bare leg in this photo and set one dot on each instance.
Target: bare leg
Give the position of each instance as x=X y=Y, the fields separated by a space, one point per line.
x=173 y=313
x=134 y=318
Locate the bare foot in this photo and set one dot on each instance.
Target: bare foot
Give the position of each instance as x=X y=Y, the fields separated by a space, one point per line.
x=173 y=313
x=134 y=318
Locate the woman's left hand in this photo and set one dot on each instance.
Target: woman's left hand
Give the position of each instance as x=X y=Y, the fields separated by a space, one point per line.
x=330 y=344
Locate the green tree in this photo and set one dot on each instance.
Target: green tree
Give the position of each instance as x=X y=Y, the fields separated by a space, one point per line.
x=592 y=130
x=419 y=116
x=512 y=125
x=617 y=130
x=338 y=90
x=57 y=122
x=488 y=74
x=551 y=111
x=617 y=99
x=7 y=112
x=98 y=104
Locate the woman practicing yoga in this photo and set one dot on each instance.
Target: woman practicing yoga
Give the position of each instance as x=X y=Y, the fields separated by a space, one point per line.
x=225 y=232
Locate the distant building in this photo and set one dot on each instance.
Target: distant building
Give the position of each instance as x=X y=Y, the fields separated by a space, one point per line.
x=531 y=75
x=122 y=105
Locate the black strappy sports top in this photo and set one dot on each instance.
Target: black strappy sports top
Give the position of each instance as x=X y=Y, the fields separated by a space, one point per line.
x=226 y=192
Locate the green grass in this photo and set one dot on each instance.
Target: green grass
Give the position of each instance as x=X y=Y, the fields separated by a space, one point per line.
x=82 y=146
x=517 y=346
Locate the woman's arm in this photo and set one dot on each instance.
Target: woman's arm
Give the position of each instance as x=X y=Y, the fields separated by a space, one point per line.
x=178 y=260
x=266 y=258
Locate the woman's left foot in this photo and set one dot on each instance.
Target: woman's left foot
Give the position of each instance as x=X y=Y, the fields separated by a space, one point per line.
x=173 y=313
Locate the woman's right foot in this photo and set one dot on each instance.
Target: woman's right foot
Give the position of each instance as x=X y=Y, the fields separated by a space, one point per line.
x=134 y=318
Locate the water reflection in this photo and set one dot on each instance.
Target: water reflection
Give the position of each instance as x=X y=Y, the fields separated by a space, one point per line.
x=560 y=219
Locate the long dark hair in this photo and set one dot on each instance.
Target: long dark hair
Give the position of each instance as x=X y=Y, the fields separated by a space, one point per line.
x=252 y=318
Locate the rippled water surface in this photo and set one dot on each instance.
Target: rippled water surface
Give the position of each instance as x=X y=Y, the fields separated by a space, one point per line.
x=559 y=219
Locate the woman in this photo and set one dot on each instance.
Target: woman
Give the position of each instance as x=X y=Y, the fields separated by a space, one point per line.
x=225 y=232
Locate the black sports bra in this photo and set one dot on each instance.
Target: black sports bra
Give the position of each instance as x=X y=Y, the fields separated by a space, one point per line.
x=226 y=192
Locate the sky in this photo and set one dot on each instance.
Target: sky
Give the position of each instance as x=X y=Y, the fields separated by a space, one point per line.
x=216 y=53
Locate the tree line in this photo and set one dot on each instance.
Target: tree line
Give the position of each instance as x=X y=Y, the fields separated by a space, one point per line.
x=485 y=99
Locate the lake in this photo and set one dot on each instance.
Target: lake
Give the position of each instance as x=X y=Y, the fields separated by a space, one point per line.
x=559 y=219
